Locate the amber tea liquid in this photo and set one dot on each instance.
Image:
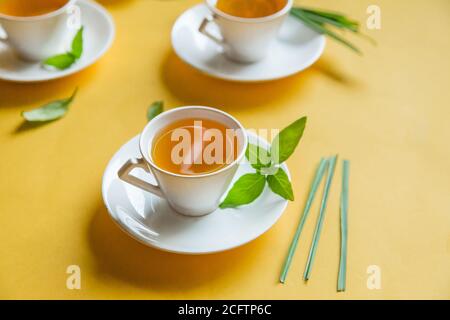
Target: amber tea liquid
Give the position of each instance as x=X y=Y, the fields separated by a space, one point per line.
x=194 y=146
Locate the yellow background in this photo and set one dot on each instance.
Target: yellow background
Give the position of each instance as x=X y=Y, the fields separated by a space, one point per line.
x=388 y=112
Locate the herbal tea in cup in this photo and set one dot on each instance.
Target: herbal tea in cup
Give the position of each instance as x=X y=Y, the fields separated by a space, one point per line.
x=194 y=146
x=193 y=154
x=30 y=8
x=35 y=29
x=250 y=8
x=246 y=28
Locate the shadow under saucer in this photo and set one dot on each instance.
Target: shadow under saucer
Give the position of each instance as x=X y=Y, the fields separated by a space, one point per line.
x=123 y=258
x=15 y=94
x=195 y=88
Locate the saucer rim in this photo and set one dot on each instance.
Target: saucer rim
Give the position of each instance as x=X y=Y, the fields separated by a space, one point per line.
x=58 y=74
x=222 y=76
x=168 y=249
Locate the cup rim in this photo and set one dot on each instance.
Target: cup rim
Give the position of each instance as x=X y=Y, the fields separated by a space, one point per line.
x=148 y=160
x=40 y=17
x=286 y=8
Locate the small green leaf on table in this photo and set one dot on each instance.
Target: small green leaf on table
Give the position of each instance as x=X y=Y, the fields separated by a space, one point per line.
x=154 y=109
x=50 y=111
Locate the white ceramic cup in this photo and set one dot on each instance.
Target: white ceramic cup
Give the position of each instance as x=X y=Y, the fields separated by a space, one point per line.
x=244 y=39
x=38 y=37
x=192 y=195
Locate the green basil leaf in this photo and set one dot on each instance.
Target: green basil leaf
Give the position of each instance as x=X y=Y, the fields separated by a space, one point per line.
x=61 y=61
x=65 y=60
x=245 y=190
x=155 y=108
x=77 y=44
x=50 y=111
x=284 y=144
x=279 y=183
x=258 y=156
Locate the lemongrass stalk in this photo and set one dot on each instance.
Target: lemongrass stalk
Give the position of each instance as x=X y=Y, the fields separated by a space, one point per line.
x=344 y=227
x=322 y=30
x=317 y=178
x=317 y=231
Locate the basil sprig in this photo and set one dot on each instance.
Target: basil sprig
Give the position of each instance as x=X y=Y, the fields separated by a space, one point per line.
x=267 y=165
x=65 y=60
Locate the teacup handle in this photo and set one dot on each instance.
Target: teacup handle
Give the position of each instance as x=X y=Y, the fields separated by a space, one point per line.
x=125 y=175
x=3 y=34
x=203 y=30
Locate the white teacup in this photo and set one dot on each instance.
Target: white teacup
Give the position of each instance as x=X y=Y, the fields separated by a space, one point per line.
x=38 y=37
x=192 y=195
x=244 y=39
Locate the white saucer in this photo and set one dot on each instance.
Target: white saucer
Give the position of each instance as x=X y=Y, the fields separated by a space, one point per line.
x=153 y=222
x=297 y=47
x=98 y=36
